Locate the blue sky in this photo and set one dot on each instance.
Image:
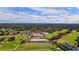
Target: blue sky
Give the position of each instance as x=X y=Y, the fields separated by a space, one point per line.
x=39 y=15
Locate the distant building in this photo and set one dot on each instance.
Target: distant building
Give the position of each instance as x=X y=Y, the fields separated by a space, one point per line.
x=37 y=37
x=24 y=32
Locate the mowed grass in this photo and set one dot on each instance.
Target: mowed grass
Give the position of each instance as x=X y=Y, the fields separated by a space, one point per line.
x=50 y=35
x=69 y=38
x=12 y=44
x=35 y=46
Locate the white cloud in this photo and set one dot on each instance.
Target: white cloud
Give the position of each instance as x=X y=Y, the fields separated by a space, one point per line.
x=73 y=18
x=49 y=10
x=64 y=17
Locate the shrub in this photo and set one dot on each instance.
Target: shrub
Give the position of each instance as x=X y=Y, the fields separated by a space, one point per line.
x=11 y=38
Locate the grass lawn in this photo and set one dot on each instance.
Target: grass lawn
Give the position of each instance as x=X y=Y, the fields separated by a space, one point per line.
x=50 y=35
x=35 y=46
x=70 y=38
x=12 y=44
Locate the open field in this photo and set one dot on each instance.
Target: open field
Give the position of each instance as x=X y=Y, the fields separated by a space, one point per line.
x=35 y=46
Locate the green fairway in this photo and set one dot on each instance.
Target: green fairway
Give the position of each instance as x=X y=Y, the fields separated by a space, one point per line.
x=69 y=38
x=50 y=35
x=12 y=44
x=35 y=46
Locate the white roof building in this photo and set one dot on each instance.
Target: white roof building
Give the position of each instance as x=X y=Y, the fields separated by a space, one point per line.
x=39 y=40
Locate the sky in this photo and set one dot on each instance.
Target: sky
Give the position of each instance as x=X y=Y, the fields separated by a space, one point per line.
x=39 y=15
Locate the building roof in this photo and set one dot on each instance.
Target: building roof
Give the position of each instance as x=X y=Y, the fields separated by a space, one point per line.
x=36 y=34
x=38 y=40
x=72 y=48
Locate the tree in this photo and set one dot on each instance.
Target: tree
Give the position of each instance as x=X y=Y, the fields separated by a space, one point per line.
x=77 y=40
x=11 y=38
